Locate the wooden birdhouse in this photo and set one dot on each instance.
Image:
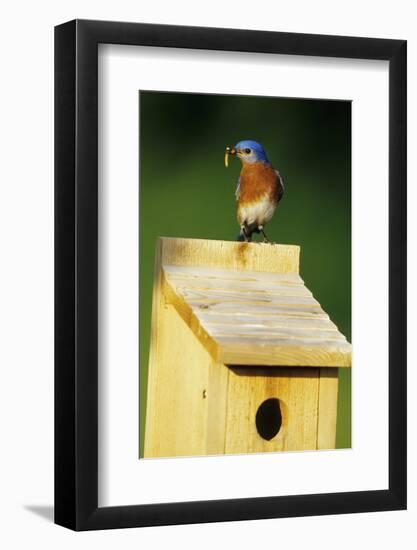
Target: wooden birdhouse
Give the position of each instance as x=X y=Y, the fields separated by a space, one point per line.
x=242 y=357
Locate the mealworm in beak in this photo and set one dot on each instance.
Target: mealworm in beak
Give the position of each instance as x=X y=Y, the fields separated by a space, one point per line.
x=226 y=158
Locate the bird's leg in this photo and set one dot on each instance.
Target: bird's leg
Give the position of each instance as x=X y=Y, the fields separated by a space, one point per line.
x=245 y=234
x=266 y=240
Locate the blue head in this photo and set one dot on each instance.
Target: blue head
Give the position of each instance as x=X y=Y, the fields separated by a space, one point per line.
x=250 y=151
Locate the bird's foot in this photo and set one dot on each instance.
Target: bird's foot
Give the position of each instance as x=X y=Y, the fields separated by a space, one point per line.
x=265 y=239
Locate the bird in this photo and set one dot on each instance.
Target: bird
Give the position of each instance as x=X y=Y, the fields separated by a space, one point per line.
x=259 y=189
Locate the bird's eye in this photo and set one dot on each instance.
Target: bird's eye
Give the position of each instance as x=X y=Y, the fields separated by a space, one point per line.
x=247 y=151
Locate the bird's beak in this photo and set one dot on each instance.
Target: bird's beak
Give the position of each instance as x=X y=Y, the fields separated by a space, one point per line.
x=229 y=151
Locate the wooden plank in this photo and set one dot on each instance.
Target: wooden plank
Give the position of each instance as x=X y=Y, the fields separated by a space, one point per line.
x=232 y=287
x=305 y=314
x=258 y=308
x=241 y=352
x=176 y=424
x=217 y=395
x=260 y=334
x=277 y=344
x=191 y=273
x=261 y=350
x=327 y=417
x=264 y=322
x=267 y=340
x=213 y=297
x=297 y=391
x=231 y=255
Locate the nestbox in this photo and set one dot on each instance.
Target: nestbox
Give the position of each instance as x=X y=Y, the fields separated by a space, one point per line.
x=242 y=357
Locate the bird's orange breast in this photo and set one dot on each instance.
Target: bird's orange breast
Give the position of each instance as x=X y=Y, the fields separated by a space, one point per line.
x=258 y=180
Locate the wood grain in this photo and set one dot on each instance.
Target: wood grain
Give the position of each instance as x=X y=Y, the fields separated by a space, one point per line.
x=230 y=255
x=297 y=391
x=245 y=316
x=243 y=277
x=215 y=319
x=328 y=388
x=177 y=409
x=217 y=398
x=229 y=323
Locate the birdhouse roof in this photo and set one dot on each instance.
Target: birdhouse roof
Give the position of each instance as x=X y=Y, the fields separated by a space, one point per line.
x=248 y=305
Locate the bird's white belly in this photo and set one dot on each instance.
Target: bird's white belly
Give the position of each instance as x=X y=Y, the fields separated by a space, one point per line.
x=259 y=212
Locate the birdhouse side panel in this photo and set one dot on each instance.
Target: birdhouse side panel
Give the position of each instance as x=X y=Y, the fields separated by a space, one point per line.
x=217 y=408
x=177 y=411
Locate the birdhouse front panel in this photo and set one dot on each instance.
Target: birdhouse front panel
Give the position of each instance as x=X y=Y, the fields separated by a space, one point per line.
x=272 y=409
x=243 y=358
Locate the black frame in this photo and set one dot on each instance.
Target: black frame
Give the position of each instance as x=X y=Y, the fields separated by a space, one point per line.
x=76 y=270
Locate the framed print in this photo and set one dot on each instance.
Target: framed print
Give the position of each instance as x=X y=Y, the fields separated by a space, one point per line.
x=230 y=275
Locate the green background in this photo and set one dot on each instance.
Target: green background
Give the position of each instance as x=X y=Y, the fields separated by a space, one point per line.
x=185 y=191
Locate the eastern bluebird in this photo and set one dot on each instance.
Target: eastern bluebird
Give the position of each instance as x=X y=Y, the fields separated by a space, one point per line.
x=259 y=189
